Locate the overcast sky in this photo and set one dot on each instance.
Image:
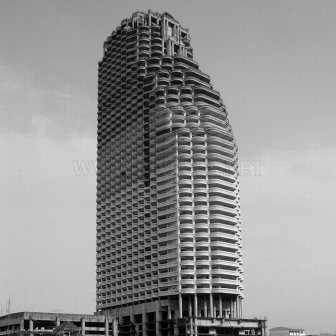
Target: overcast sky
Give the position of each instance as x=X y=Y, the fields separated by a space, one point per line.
x=274 y=63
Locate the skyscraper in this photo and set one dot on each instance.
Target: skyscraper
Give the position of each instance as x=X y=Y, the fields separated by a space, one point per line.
x=168 y=223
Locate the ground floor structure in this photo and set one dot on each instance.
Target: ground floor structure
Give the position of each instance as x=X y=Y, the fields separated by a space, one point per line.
x=193 y=315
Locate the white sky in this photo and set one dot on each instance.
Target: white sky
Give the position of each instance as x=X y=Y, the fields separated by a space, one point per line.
x=274 y=65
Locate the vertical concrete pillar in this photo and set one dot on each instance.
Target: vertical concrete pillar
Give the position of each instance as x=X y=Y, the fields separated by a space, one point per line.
x=157 y=318
x=131 y=310
x=169 y=316
x=169 y=51
x=115 y=326
x=241 y=307
x=235 y=308
x=205 y=306
x=144 y=319
x=58 y=321
x=31 y=326
x=107 y=332
x=189 y=306
x=211 y=305
x=195 y=305
x=180 y=306
x=220 y=306
x=191 y=326
x=231 y=308
x=83 y=326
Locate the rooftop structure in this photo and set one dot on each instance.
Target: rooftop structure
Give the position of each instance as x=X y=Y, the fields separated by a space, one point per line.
x=169 y=253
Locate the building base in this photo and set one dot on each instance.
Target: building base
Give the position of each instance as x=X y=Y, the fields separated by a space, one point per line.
x=163 y=318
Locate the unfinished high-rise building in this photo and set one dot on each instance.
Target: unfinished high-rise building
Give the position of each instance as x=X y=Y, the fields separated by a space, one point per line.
x=169 y=253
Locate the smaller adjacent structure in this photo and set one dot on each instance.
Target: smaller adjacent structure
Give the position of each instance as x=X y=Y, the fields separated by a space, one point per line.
x=285 y=331
x=40 y=324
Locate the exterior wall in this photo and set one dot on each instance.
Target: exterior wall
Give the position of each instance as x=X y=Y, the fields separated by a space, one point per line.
x=168 y=220
x=39 y=323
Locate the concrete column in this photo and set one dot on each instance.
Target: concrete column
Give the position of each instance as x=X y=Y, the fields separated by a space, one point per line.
x=144 y=320
x=195 y=306
x=220 y=306
x=191 y=326
x=180 y=305
x=211 y=305
x=241 y=307
x=231 y=308
x=169 y=51
x=169 y=316
x=115 y=326
x=31 y=326
x=189 y=306
x=106 y=326
x=205 y=306
x=157 y=318
x=58 y=321
x=235 y=308
x=83 y=326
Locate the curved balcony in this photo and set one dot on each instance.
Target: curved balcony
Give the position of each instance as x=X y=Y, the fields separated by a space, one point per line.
x=231 y=238
x=153 y=68
x=221 y=252
x=214 y=122
x=221 y=183
x=180 y=66
x=226 y=219
x=184 y=156
x=228 y=169
x=222 y=226
x=187 y=253
x=201 y=99
x=143 y=41
x=215 y=149
x=224 y=266
x=222 y=175
x=186 y=98
x=156 y=49
x=207 y=92
x=144 y=35
x=222 y=244
x=176 y=81
x=187 y=61
x=153 y=60
x=224 y=202
x=163 y=81
x=191 y=80
x=203 y=281
x=184 y=190
x=166 y=66
x=160 y=101
x=143 y=53
x=222 y=210
x=156 y=39
x=185 y=217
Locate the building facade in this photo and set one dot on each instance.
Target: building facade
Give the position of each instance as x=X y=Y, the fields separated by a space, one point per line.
x=169 y=253
x=50 y=324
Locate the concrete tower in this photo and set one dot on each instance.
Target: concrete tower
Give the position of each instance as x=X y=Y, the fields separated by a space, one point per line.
x=169 y=256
